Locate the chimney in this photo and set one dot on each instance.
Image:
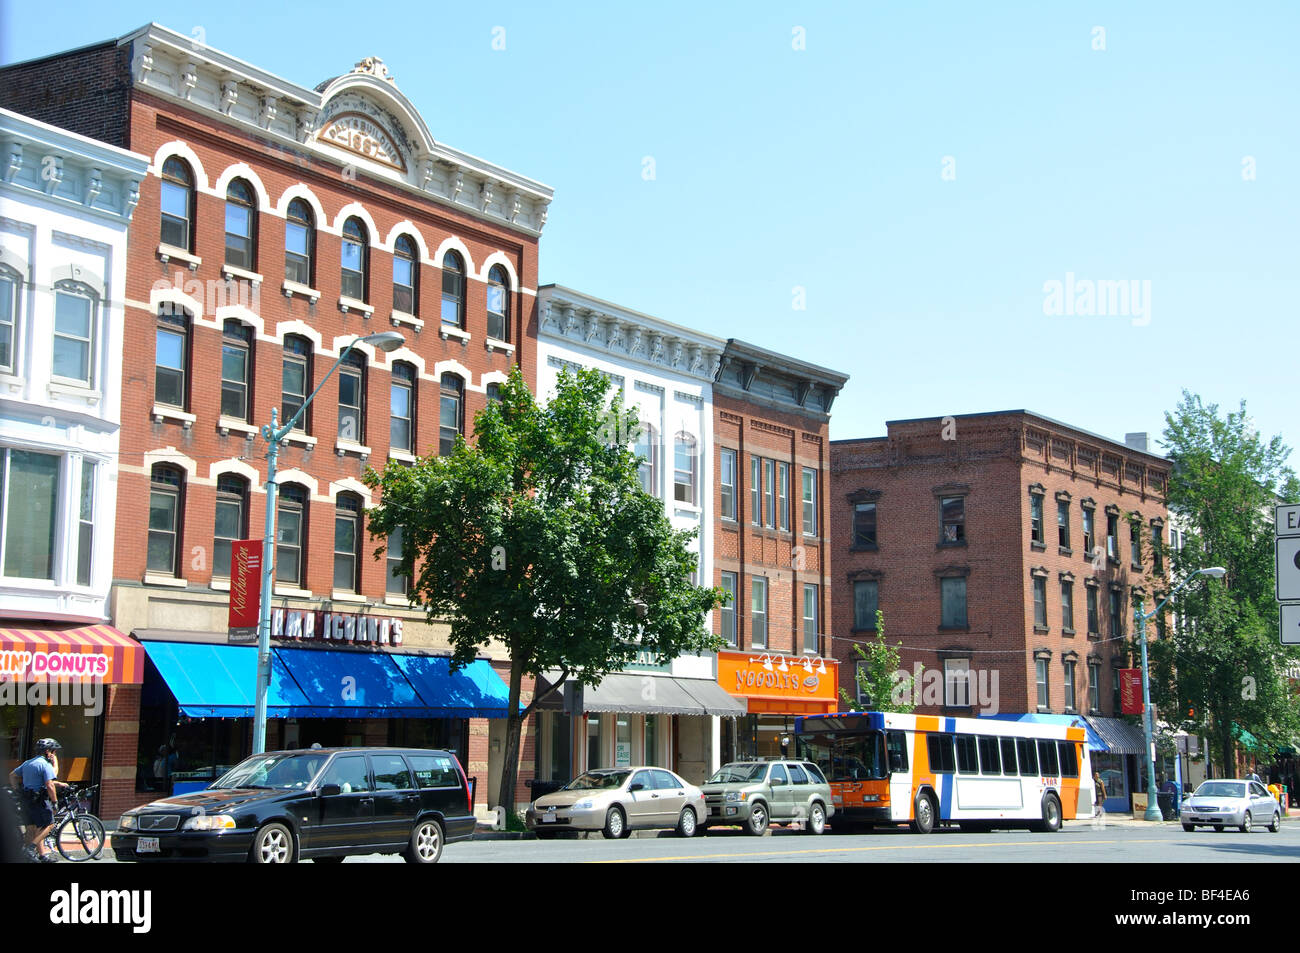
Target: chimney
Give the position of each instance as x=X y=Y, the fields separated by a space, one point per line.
x=1138 y=441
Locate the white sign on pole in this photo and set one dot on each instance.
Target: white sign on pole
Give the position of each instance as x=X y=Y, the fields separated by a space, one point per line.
x=1288 y=569
x=1286 y=520
x=1290 y=624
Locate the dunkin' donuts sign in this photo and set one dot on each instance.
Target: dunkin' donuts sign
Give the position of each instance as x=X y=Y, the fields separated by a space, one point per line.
x=335 y=626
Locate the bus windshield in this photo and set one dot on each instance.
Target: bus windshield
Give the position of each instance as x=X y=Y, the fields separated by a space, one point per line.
x=859 y=756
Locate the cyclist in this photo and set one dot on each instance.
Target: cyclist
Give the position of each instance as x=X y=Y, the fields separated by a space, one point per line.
x=36 y=780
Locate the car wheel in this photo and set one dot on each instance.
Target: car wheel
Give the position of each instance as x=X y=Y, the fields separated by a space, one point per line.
x=757 y=822
x=1277 y=823
x=425 y=846
x=332 y=859
x=1051 y=822
x=816 y=819
x=615 y=824
x=925 y=815
x=272 y=845
x=686 y=823
x=1189 y=827
x=1245 y=824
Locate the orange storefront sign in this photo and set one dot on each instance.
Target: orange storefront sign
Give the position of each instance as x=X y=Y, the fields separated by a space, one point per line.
x=768 y=690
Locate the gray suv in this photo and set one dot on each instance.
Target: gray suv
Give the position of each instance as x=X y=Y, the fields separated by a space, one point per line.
x=756 y=793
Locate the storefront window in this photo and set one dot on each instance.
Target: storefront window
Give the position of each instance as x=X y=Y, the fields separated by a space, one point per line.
x=652 y=740
x=623 y=741
x=1113 y=774
x=22 y=724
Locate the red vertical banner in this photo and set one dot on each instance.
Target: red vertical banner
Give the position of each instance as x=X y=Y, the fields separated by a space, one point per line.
x=245 y=590
x=1130 y=691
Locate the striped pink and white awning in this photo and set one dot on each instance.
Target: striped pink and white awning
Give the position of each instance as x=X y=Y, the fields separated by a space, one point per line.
x=76 y=653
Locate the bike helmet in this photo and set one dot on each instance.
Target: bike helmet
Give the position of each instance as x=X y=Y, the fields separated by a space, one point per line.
x=48 y=744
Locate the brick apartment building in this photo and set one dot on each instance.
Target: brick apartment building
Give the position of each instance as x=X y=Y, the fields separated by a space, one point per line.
x=772 y=541
x=275 y=225
x=999 y=544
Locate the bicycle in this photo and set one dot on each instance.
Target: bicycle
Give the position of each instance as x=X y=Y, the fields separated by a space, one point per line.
x=78 y=835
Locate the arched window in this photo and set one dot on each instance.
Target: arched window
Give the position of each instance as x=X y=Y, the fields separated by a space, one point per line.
x=347 y=543
x=290 y=535
x=401 y=428
x=236 y=354
x=296 y=381
x=647 y=448
x=177 y=203
x=684 y=468
x=171 y=357
x=355 y=253
x=498 y=304
x=231 y=522
x=76 y=323
x=241 y=225
x=494 y=393
x=450 y=413
x=166 y=491
x=453 y=290
x=299 y=242
x=352 y=397
x=406 y=271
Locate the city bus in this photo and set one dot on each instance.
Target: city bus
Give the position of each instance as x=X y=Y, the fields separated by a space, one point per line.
x=926 y=770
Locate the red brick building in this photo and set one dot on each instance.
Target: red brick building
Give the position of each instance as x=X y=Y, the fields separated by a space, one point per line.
x=771 y=540
x=1005 y=551
x=277 y=224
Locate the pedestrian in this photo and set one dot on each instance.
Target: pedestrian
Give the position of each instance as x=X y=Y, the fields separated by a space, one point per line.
x=37 y=780
x=1099 y=793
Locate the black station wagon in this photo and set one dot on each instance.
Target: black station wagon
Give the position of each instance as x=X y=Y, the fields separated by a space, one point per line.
x=320 y=804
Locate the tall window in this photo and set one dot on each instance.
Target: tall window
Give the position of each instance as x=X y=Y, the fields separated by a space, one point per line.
x=864 y=524
x=956 y=683
x=684 y=468
x=1040 y=671
x=295 y=380
x=1090 y=598
x=1112 y=536
x=1157 y=548
x=290 y=524
x=494 y=393
x=810 y=610
x=783 y=495
x=9 y=284
x=498 y=304
x=401 y=426
x=1089 y=540
x=236 y=344
x=354 y=254
x=1067 y=606
x=299 y=242
x=1063 y=524
x=352 y=397
x=171 y=338
x=177 y=201
x=809 y=502
x=758 y=612
x=952 y=591
x=405 y=273
x=1069 y=685
x=450 y=414
x=397 y=584
x=1116 y=615
x=769 y=493
x=231 y=522
x=164 y=519
x=1135 y=544
x=1036 y=518
x=347 y=543
x=75 y=320
x=866 y=599
x=727 y=482
x=29 y=491
x=453 y=290
x=1040 y=602
x=86 y=523
x=756 y=491
x=727 y=612
x=1094 y=686
x=952 y=519
x=647 y=451
x=241 y=225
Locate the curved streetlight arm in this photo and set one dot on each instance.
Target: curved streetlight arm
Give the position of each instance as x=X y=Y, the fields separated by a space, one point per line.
x=275 y=435
x=1214 y=572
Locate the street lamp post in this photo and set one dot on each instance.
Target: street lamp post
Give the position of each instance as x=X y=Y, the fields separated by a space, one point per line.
x=384 y=341
x=1148 y=726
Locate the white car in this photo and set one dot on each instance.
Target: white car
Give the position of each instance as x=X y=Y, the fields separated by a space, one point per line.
x=1231 y=803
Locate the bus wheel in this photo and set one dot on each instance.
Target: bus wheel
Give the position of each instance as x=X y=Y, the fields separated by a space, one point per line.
x=925 y=815
x=1051 y=822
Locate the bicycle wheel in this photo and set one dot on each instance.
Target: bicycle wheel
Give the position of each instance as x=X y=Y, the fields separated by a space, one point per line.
x=80 y=838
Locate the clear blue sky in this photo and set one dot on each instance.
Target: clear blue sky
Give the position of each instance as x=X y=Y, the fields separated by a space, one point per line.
x=822 y=168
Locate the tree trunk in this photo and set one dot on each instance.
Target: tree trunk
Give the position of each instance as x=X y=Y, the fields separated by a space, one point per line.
x=1229 y=764
x=510 y=766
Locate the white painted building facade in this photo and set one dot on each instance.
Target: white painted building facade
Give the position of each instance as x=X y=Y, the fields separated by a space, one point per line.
x=65 y=205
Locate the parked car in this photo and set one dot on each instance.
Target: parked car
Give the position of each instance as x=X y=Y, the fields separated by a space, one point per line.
x=322 y=803
x=756 y=793
x=618 y=801
x=1231 y=803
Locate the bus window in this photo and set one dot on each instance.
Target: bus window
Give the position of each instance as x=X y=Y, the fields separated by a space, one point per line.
x=967 y=754
x=941 y=757
x=897 y=742
x=1028 y=757
x=1047 y=759
x=860 y=757
x=990 y=763
x=1009 y=756
x=1069 y=759
x=797 y=775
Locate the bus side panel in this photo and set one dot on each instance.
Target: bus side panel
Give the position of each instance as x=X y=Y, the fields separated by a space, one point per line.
x=922 y=776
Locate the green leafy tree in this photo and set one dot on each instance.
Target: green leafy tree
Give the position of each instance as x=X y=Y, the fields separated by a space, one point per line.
x=1222 y=667
x=540 y=538
x=876 y=679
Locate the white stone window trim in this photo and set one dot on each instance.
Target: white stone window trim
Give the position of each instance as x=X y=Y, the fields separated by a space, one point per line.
x=306 y=440
x=292 y=288
x=293 y=592
x=347 y=304
x=401 y=602
x=230 y=271
x=167 y=252
x=162 y=412
x=57 y=388
x=496 y=344
x=448 y=331
x=400 y=318
x=226 y=424
x=14 y=382
x=220 y=583
x=340 y=595
x=401 y=456
x=342 y=446
x=158 y=579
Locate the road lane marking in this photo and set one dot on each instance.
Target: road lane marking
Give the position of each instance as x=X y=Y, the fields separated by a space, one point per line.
x=851 y=850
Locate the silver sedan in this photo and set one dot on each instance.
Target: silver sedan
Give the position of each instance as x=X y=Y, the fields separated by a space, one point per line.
x=618 y=801
x=1231 y=803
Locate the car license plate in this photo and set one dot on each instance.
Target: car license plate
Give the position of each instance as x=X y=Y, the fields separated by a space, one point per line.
x=548 y=818
x=146 y=845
